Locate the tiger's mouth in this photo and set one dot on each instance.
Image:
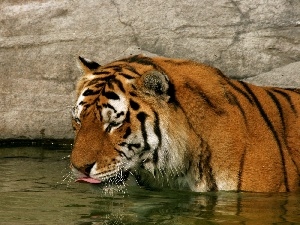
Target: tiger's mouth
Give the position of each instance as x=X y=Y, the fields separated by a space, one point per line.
x=117 y=178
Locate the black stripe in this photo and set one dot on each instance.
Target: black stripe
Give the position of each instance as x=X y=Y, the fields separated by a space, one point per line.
x=96 y=81
x=134 y=87
x=244 y=93
x=279 y=107
x=205 y=168
x=191 y=125
x=139 y=59
x=121 y=153
x=157 y=132
x=110 y=85
x=146 y=61
x=295 y=90
x=156 y=128
x=241 y=170
x=220 y=73
x=127 y=76
x=119 y=84
x=119 y=114
x=99 y=85
x=110 y=95
x=86 y=106
x=89 y=92
x=101 y=73
x=272 y=129
x=107 y=105
x=127 y=118
x=171 y=92
x=134 y=105
x=132 y=146
x=234 y=101
x=122 y=144
x=117 y=68
x=108 y=79
x=287 y=97
x=132 y=69
x=142 y=118
x=206 y=98
x=99 y=108
x=127 y=133
x=133 y=94
x=111 y=125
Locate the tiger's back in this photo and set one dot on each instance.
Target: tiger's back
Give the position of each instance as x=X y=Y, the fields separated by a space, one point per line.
x=192 y=127
x=250 y=131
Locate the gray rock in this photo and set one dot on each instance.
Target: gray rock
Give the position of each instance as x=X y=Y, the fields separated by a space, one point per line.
x=287 y=76
x=35 y=108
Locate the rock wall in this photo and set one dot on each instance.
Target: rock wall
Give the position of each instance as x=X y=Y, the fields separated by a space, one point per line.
x=41 y=39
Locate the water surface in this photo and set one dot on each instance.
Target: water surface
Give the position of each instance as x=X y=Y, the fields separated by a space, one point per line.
x=37 y=188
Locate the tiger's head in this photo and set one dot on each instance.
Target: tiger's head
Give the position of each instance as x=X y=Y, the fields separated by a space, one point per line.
x=124 y=123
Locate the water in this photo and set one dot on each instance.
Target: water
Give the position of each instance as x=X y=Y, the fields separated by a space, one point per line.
x=37 y=188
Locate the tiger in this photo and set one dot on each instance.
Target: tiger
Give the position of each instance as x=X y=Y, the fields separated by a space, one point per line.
x=183 y=125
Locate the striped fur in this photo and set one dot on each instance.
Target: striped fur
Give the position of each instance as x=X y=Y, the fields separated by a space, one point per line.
x=181 y=124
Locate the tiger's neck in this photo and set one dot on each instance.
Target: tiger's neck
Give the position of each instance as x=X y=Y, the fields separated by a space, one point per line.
x=173 y=168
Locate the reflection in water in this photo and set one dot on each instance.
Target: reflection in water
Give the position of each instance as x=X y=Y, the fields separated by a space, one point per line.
x=37 y=188
x=142 y=206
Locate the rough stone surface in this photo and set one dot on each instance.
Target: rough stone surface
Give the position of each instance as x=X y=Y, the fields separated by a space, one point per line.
x=41 y=39
x=286 y=77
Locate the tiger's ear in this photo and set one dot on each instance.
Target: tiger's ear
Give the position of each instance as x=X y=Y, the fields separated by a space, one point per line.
x=87 y=65
x=155 y=83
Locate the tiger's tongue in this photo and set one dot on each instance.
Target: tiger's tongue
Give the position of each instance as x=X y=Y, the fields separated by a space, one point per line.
x=88 y=180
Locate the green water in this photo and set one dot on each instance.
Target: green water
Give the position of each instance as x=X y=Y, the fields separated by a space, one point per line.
x=36 y=188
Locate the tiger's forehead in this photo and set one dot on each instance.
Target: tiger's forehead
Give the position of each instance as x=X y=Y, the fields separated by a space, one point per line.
x=119 y=77
x=113 y=82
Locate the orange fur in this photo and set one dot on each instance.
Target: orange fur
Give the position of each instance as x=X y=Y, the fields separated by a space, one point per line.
x=216 y=133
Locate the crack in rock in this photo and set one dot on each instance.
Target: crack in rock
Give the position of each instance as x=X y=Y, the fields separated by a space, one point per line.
x=126 y=24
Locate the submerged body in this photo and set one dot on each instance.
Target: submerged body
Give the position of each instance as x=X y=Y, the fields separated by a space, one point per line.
x=181 y=124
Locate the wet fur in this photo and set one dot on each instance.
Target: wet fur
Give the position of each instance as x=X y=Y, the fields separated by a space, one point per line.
x=208 y=132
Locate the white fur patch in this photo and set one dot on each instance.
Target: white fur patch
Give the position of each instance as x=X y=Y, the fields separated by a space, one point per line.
x=78 y=108
x=110 y=116
x=152 y=138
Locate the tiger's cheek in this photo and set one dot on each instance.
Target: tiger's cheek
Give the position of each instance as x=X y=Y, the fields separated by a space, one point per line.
x=119 y=134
